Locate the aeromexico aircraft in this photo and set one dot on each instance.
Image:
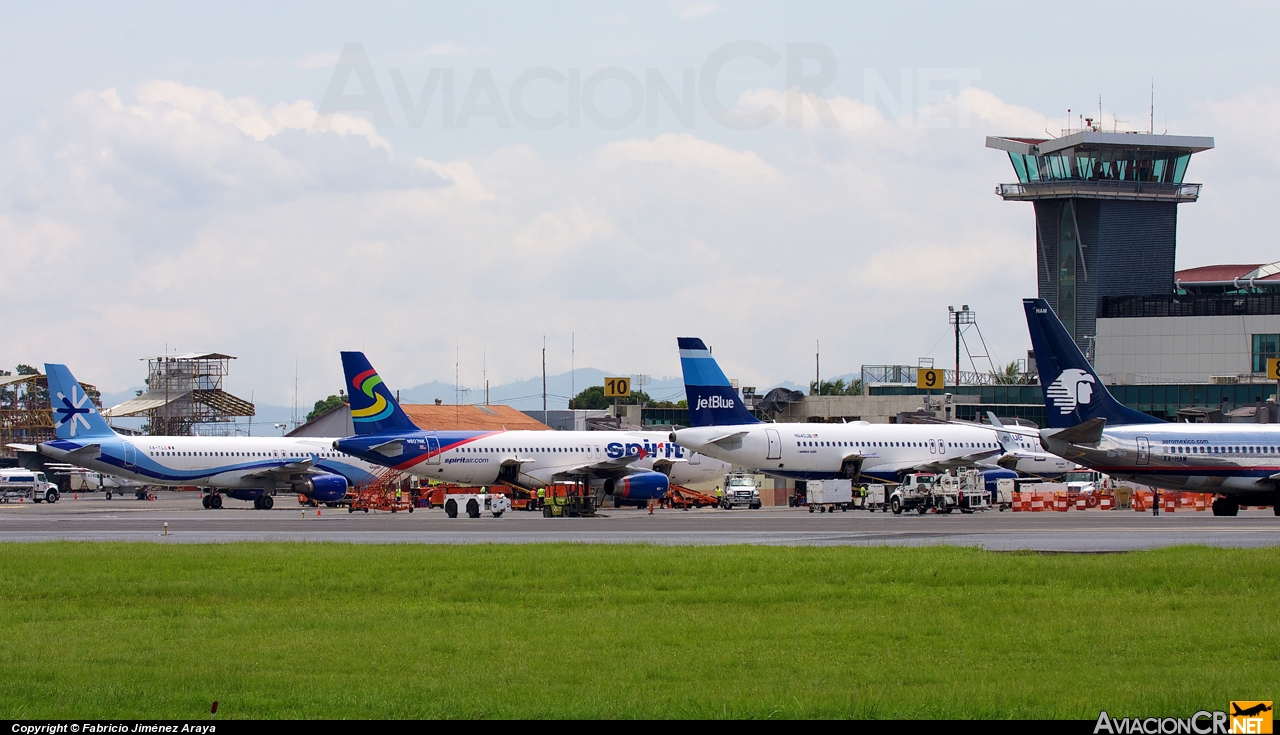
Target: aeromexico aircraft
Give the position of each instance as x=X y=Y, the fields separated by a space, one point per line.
x=1240 y=462
x=723 y=428
x=630 y=466
x=244 y=468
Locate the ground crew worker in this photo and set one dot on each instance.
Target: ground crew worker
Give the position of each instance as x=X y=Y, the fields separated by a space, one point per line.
x=719 y=494
x=542 y=496
x=397 y=493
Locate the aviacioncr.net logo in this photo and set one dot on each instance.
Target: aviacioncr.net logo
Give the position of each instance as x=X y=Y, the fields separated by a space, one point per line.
x=1074 y=387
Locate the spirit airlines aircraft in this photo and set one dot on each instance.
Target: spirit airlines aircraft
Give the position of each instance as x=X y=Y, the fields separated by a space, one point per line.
x=631 y=467
x=245 y=468
x=724 y=429
x=1240 y=462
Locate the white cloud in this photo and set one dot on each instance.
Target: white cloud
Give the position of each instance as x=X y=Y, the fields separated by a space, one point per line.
x=448 y=48
x=325 y=60
x=176 y=215
x=689 y=11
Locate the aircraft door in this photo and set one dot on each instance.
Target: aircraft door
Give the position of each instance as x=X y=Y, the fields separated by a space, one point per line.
x=933 y=446
x=942 y=447
x=1144 y=451
x=130 y=455
x=433 y=450
x=775 y=444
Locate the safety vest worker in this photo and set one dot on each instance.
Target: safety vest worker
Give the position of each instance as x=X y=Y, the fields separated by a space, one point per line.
x=397 y=493
x=718 y=493
x=542 y=496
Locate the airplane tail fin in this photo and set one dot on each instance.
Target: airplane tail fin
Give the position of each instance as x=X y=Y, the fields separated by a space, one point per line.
x=74 y=415
x=373 y=409
x=712 y=399
x=1073 y=392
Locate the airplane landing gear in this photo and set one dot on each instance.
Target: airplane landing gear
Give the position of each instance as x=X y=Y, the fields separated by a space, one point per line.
x=263 y=502
x=1228 y=507
x=212 y=502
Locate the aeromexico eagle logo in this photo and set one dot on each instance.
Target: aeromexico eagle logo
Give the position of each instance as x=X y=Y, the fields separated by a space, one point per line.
x=1074 y=387
x=74 y=410
x=365 y=383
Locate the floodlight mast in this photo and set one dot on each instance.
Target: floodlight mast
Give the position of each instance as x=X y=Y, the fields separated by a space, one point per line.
x=956 y=319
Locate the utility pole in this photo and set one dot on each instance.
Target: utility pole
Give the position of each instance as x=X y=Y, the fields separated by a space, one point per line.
x=544 y=378
x=817 y=368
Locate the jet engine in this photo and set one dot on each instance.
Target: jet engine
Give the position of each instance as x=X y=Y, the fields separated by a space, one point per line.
x=323 y=488
x=642 y=486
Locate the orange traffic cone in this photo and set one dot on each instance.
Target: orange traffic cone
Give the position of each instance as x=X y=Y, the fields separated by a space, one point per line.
x=317 y=511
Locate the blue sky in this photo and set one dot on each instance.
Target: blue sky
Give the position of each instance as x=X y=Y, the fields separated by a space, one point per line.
x=163 y=180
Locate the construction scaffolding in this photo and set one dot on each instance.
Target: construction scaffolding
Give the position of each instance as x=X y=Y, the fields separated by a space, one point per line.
x=25 y=414
x=184 y=396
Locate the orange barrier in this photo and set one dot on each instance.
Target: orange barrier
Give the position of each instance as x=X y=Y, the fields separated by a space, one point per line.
x=1082 y=502
x=1037 y=503
x=1061 y=504
x=1171 y=502
x=1107 y=502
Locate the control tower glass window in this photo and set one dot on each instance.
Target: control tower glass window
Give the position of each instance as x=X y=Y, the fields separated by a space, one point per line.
x=1067 y=269
x=1103 y=164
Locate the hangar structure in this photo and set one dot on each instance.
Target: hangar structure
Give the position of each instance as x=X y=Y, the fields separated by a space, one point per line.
x=185 y=396
x=25 y=415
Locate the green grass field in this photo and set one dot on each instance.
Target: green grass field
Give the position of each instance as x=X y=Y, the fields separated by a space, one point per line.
x=329 y=630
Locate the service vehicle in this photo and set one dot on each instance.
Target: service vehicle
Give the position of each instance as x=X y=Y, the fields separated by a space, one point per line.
x=17 y=485
x=915 y=493
x=828 y=496
x=475 y=503
x=1086 y=482
x=740 y=488
x=965 y=491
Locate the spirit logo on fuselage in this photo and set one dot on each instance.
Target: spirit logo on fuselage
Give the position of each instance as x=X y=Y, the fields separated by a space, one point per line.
x=667 y=450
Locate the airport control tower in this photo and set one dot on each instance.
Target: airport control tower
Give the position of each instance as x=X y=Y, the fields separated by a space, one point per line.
x=1106 y=214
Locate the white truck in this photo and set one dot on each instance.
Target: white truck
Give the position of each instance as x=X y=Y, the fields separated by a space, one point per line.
x=18 y=485
x=1086 y=482
x=740 y=489
x=828 y=496
x=915 y=493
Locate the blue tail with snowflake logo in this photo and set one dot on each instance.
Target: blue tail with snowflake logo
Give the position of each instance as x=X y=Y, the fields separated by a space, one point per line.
x=74 y=415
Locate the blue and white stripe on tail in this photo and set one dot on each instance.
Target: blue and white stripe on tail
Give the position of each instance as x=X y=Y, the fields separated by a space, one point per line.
x=74 y=415
x=1073 y=392
x=712 y=399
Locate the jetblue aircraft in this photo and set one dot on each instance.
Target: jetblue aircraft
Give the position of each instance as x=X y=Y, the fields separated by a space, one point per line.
x=244 y=468
x=1240 y=462
x=723 y=428
x=631 y=467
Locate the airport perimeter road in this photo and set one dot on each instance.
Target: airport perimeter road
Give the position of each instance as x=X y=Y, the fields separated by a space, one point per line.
x=93 y=518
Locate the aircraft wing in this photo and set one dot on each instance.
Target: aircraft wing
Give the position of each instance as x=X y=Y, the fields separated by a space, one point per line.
x=302 y=466
x=24 y=447
x=1089 y=432
x=939 y=465
x=729 y=441
x=88 y=451
x=389 y=448
x=605 y=468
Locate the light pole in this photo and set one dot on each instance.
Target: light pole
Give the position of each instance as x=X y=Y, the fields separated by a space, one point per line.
x=956 y=319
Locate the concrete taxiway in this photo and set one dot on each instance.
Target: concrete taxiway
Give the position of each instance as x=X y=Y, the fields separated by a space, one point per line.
x=93 y=518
